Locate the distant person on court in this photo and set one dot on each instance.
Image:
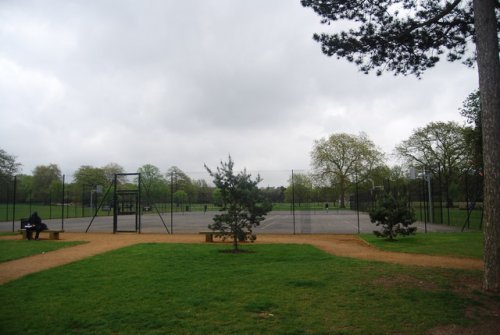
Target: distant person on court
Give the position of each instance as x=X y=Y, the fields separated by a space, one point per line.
x=36 y=226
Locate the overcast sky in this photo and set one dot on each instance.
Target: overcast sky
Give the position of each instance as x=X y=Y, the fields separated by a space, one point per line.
x=188 y=82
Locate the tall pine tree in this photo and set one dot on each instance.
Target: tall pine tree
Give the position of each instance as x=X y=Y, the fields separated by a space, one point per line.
x=410 y=36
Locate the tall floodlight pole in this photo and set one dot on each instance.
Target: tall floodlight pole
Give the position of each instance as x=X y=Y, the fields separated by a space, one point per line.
x=413 y=176
x=63 y=204
x=171 y=203
x=14 y=203
x=293 y=204
x=357 y=200
x=428 y=177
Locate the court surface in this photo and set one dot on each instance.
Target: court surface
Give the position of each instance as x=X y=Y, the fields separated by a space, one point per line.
x=276 y=222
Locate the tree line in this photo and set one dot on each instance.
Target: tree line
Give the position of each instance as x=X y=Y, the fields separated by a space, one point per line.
x=339 y=163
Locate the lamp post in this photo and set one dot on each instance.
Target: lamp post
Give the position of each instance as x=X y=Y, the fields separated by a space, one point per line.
x=97 y=190
x=426 y=176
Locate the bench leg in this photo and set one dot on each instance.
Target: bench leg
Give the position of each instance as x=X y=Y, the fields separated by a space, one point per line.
x=209 y=237
x=54 y=235
x=25 y=234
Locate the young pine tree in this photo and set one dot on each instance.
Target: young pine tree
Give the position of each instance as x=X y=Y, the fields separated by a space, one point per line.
x=394 y=216
x=244 y=205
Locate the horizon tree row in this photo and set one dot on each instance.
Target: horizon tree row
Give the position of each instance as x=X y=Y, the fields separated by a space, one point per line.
x=448 y=151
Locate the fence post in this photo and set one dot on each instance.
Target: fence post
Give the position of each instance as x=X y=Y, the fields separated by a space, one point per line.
x=62 y=205
x=14 y=200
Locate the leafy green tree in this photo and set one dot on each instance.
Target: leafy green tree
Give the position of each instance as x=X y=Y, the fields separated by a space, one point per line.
x=343 y=159
x=203 y=191
x=440 y=148
x=46 y=181
x=180 y=181
x=243 y=204
x=153 y=181
x=180 y=197
x=471 y=110
x=394 y=216
x=86 y=179
x=8 y=169
x=408 y=37
x=275 y=194
x=217 y=197
x=398 y=179
x=90 y=176
x=299 y=189
x=8 y=166
x=110 y=170
x=378 y=175
x=24 y=187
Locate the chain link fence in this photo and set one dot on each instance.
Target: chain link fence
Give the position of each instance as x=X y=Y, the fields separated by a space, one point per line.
x=299 y=202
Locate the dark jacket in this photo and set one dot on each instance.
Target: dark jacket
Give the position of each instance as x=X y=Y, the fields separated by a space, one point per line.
x=35 y=220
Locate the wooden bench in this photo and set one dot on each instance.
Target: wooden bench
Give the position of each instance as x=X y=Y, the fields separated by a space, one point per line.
x=209 y=235
x=53 y=234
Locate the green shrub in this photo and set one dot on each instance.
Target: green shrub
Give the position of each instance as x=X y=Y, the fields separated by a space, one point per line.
x=395 y=217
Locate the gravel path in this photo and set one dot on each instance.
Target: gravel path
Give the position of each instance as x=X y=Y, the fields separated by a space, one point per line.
x=340 y=245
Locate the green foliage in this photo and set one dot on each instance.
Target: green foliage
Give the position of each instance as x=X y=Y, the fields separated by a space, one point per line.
x=24 y=187
x=153 y=182
x=90 y=177
x=277 y=289
x=471 y=110
x=395 y=217
x=178 y=180
x=344 y=159
x=244 y=205
x=403 y=36
x=439 y=146
x=180 y=197
x=47 y=179
x=458 y=217
x=110 y=170
x=8 y=166
x=217 y=197
x=300 y=189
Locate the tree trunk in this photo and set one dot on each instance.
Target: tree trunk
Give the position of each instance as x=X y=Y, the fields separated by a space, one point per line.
x=235 y=237
x=489 y=85
x=342 y=185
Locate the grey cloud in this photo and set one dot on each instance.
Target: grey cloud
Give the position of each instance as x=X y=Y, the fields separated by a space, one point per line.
x=188 y=82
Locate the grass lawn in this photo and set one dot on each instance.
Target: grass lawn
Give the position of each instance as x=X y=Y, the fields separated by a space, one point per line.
x=7 y=233
x=468 y=244
x=274 y=289
x=457 y=217
x=14 y=249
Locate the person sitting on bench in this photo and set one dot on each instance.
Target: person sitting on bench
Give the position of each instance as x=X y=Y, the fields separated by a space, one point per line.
x=36 y=225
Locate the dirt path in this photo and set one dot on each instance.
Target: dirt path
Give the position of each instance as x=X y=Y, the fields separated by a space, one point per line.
x=340 y=245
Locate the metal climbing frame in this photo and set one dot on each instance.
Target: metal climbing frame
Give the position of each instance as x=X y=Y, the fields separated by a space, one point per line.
x=127 y=202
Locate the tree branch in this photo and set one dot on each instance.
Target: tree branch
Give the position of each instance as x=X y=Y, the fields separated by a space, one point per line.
x=447 y=10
